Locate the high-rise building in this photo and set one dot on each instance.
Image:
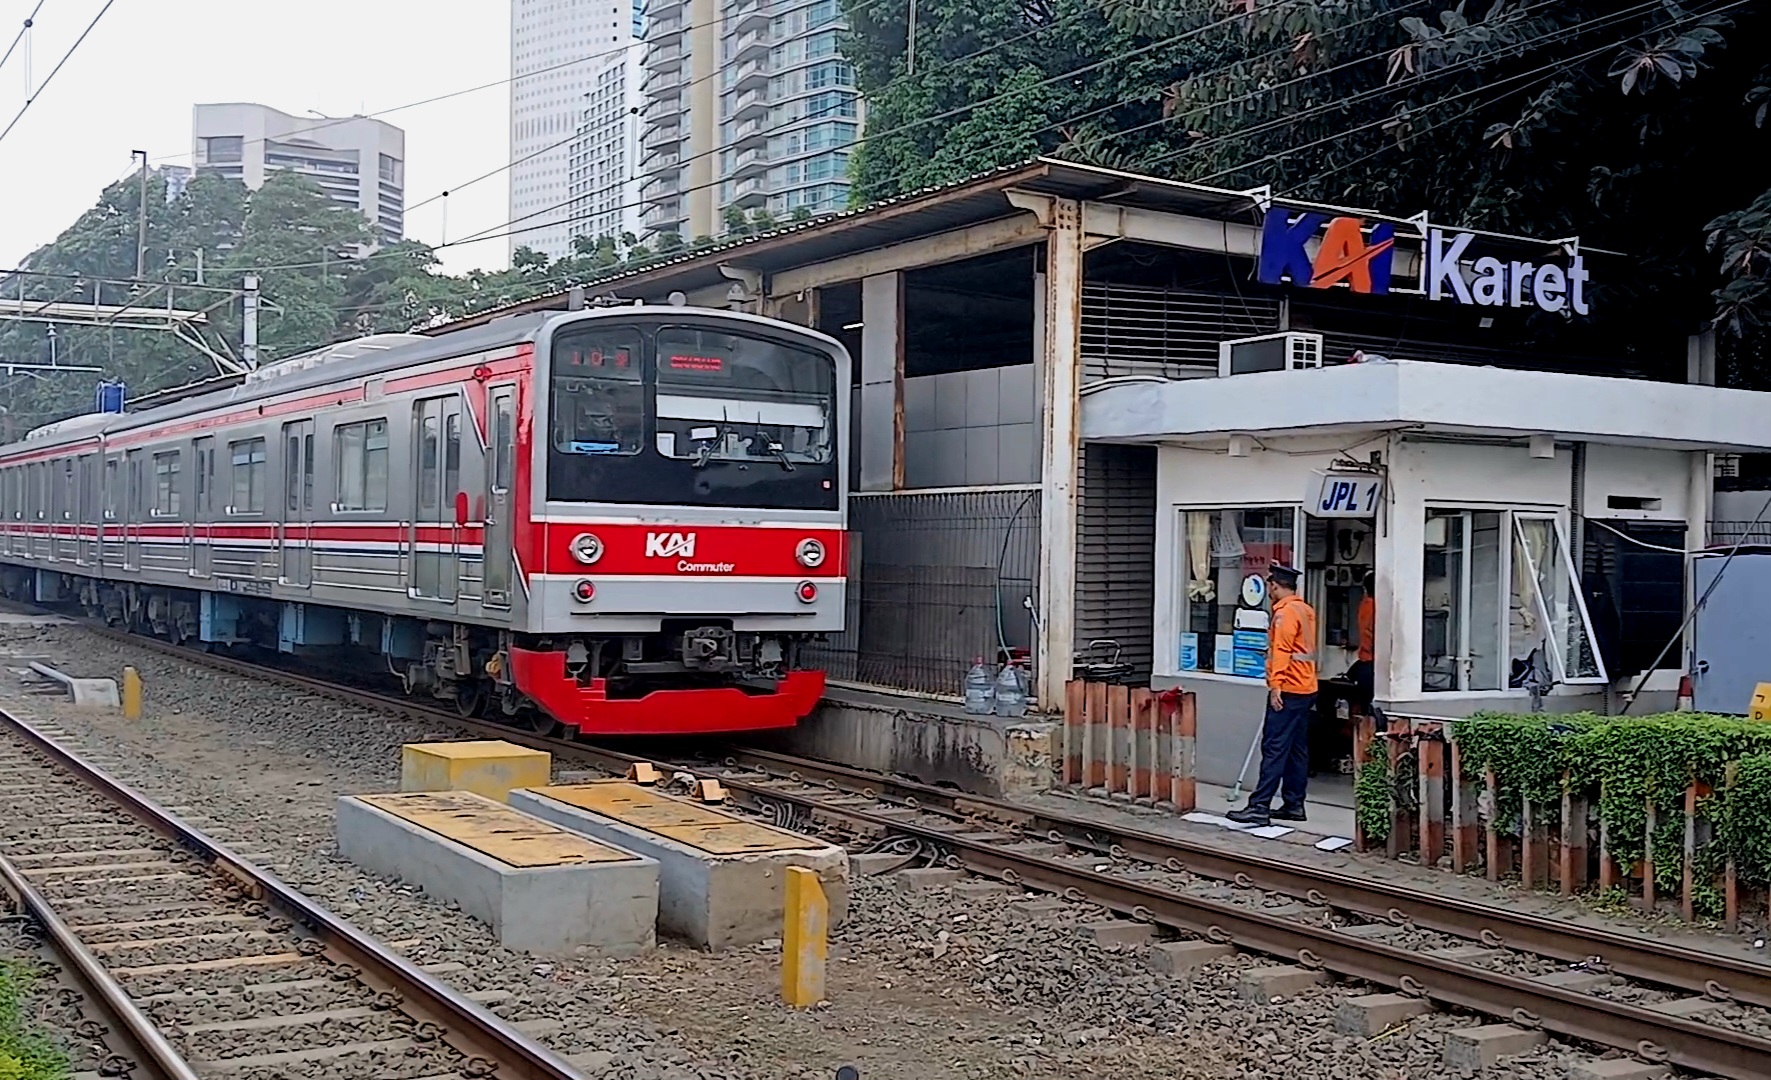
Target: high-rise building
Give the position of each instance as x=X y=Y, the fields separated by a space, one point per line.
x=600 y=177
x=558 y=51
x=748 y=106
x=357 y=161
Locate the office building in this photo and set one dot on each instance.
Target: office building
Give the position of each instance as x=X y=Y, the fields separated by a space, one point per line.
x=560 y=51
x=600 y=178
x=357 y=161
x=748 y=106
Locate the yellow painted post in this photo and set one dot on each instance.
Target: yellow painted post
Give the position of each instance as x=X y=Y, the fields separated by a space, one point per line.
x=131 y=694
x=804 y=940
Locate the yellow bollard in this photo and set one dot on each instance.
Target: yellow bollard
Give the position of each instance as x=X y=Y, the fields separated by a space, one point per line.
x=131 y=694
x=805 y=939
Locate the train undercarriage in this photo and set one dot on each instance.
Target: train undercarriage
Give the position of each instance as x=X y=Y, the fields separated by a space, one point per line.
x=695 y=676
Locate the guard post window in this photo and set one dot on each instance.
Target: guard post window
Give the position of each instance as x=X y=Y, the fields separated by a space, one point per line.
x=248 y=460
x=1220 y=550
x=1500 y=609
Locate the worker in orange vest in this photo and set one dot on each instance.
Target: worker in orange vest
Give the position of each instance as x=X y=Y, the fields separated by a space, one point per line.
x=1291 y=699
x=1360 y=674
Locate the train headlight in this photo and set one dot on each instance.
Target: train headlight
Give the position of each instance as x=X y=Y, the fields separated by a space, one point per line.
x=585 y=591
x=807 y=592
x=586 y=548
x=810 y=553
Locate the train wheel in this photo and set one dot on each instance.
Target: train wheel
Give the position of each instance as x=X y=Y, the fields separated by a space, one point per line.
x=540 y=723
x=470 y=698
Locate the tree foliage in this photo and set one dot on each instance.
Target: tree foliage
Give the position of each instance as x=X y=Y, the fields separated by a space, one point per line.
x=1624 y=124
x=318 y=277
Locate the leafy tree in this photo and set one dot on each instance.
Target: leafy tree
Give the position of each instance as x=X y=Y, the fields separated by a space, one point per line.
x=1622 y=124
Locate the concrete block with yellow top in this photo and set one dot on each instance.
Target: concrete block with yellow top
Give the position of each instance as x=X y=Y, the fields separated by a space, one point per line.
x=490 y=768
x=542 y=888
x=722 y=877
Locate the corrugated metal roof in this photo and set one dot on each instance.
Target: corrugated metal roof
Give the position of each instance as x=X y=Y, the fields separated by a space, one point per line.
x=910 y=216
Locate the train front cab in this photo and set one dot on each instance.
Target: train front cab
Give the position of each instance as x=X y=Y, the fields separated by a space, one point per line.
x=685 y=527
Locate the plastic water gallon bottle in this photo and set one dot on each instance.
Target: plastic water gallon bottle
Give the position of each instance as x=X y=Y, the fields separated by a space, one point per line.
x=1011 y=691
x=980 y=689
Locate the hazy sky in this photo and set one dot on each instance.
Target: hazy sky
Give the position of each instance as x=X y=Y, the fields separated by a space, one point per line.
x=131 y=85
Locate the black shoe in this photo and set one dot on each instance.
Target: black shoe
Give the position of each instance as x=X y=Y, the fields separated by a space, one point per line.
x=1283 y=814
x=1251 y=815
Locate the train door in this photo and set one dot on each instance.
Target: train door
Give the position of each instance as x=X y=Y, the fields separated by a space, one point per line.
x=202 y=506
x=500 y=472
x=433 y=540
x=135 y=508
x=293 y=542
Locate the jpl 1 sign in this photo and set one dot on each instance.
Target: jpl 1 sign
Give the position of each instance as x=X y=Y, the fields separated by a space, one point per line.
x=1360 y=256
x=1343 y=495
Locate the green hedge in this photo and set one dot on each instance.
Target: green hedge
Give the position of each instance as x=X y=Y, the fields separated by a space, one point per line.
x=1632 y=759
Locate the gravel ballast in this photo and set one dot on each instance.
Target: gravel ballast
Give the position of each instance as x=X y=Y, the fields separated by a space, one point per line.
x=922 y=984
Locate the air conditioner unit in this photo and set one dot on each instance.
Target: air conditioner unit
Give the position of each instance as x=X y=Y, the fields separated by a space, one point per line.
x=1285 y=351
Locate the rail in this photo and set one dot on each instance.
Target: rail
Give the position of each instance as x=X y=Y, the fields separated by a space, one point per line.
x=466 y=1026
x=889 y=805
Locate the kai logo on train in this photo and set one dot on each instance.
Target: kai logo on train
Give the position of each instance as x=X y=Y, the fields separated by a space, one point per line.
x=1361 y=256
x=670 y=545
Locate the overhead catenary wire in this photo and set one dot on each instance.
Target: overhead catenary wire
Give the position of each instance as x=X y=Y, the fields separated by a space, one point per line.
x=47 y=79
x=1361 y=97
x=1691 y=615
x=24 y=28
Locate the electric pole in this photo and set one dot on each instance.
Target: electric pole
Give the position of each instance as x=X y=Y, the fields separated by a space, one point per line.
x=141 y=235
x=910 y=43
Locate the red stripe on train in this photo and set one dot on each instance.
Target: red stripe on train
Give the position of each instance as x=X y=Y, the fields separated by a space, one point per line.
x=694 y=550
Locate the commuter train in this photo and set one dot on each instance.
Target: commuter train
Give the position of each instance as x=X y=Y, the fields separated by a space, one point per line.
x=623 y=520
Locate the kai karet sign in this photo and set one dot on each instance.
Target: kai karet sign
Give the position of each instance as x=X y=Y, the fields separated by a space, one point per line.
x=1361 y=257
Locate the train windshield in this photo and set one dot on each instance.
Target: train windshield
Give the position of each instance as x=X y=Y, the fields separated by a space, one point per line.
x=690 y=415
x=728 y=397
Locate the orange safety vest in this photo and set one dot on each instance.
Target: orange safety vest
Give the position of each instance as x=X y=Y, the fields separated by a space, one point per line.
x=1291 y=647
x=1368 y=629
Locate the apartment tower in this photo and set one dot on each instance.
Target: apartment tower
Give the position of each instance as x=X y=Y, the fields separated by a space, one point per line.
x=747 y=107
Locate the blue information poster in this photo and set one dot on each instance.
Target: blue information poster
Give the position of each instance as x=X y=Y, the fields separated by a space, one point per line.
x=1223 y=658
x=1252 y=640
x=1251 y=663
x=1189 y=652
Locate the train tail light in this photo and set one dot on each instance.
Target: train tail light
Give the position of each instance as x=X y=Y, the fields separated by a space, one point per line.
x=585 y=591
x=807 y=592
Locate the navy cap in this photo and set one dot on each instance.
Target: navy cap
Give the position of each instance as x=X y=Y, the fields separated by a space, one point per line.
x=1284 y=575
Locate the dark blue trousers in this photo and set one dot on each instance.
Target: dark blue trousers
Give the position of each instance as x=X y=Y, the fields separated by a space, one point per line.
x=1285 y=752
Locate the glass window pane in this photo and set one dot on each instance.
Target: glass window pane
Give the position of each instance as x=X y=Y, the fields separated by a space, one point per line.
x=1486 y=669
x=1442 y=602
x=1549 y=591
x=1220 y=548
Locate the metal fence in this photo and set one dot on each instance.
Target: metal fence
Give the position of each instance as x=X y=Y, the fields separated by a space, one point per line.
x=935 y=580
x=1730 y=532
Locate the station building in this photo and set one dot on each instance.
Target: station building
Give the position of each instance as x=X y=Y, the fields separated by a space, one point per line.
x=1091 y=406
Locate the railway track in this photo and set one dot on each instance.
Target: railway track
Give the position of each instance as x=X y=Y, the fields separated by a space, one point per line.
x=1666 y=1004
x=198 y=962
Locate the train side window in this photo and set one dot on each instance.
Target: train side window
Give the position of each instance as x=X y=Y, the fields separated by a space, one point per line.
x=361 y=453
x=248 y=460
x=112 y=488
x=205 y=479
x=427 y=460
x=503 y=438
x=166 y=469
x=452 y=456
